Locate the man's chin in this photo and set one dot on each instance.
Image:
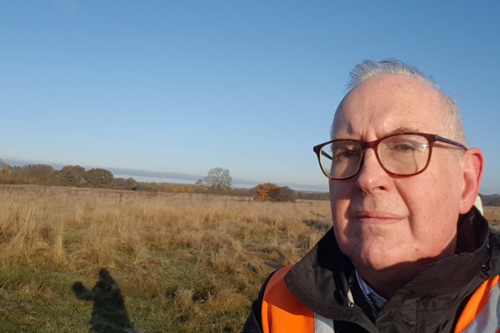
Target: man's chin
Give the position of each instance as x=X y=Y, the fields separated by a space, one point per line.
x=390 y=264
x=379 y=265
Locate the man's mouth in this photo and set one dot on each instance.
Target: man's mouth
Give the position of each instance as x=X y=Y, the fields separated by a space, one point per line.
x=376 y=217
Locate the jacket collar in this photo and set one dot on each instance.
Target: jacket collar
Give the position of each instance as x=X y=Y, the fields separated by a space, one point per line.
x=440 y=277
x=321 y=280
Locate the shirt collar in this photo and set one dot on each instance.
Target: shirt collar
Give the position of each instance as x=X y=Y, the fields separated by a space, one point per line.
x=375 y=301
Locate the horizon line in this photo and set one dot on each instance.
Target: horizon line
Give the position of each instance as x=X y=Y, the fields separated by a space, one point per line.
x=128 y=172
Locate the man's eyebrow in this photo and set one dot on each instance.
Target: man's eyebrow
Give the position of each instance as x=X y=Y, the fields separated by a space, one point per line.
x=403 y=129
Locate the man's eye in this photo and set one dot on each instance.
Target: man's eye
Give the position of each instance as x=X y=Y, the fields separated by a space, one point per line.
x=346 y=153
x=404 y=147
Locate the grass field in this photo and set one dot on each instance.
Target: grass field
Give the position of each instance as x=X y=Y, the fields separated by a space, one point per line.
x=492 y=214
x=185 y=262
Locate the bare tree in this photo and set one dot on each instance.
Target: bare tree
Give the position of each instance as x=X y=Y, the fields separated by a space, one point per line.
x=218 y=179
x=42 y=171
x=36 y=174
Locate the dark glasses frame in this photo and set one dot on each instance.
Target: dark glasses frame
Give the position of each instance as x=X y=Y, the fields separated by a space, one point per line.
x=431 y=139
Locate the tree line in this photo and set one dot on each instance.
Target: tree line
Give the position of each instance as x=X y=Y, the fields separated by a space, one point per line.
x=70 y=175
x=217 y=181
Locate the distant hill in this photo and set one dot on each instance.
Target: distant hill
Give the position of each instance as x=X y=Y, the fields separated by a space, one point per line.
x=490 y=200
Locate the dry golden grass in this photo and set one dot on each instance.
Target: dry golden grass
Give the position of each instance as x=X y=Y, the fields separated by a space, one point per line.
x=185 y=262
x=96 y=225
x=492 y=214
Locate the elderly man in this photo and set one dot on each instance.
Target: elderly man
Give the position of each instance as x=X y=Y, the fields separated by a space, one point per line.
x=408 y=252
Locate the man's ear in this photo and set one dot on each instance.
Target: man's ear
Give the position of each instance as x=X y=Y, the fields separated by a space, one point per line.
x=473 y=173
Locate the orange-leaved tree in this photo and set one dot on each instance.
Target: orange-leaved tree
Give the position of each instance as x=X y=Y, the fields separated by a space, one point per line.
x=262 y=191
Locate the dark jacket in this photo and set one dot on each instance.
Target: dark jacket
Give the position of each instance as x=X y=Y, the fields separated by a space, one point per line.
x=431 y=302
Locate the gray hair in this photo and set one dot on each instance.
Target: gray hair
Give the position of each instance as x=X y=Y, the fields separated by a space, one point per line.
x=453 y=126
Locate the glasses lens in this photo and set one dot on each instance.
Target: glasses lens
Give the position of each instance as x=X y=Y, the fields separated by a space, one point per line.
x=404 y=154
x=341 y=159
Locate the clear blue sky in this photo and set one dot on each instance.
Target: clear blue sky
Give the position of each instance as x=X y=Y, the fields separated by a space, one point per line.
x=252 y=86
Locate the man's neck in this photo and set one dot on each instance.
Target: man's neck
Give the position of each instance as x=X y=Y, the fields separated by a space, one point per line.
x=386 y=282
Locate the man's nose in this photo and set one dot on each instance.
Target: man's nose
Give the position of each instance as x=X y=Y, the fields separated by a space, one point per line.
x=372 y=177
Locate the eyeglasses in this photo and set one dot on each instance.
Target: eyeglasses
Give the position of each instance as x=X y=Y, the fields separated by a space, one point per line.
x=402 y=154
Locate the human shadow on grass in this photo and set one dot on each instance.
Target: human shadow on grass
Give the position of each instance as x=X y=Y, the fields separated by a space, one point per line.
x=109 y=314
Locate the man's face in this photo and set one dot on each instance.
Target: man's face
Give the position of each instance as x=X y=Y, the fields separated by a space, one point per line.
x=382 y=220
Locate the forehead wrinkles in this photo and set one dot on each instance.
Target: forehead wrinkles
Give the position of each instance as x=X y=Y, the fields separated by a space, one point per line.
x=348 y=130
x=392 y=100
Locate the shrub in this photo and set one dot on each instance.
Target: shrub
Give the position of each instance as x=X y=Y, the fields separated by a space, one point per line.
x=262 y=191
x=282 y=194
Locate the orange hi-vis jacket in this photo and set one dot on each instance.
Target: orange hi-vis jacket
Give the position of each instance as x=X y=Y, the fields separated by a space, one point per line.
x=320 y=295
x=282 y=312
